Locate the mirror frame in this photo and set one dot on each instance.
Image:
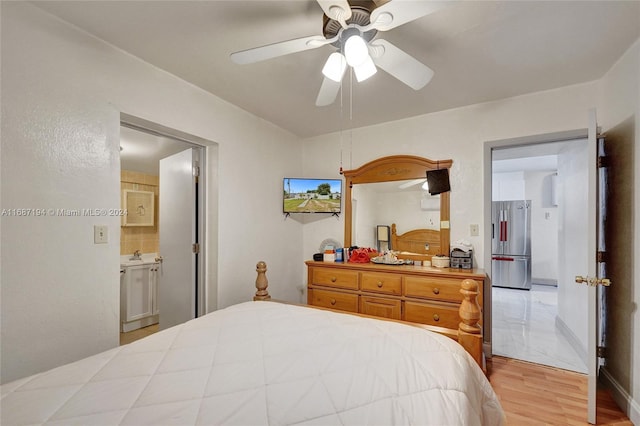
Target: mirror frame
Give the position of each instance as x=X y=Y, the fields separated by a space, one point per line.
x=394 y=168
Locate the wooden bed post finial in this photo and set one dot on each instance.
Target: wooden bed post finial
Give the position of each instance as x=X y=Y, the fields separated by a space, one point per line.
x=261 y=282
x=469 y=331
x=469 y=308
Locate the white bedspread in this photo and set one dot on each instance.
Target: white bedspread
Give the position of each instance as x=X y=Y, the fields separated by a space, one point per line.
x=260 y=363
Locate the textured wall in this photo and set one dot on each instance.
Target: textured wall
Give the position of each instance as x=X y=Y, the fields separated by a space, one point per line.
x=62 y=95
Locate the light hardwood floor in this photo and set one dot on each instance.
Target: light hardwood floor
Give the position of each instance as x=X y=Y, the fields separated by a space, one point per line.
x=532 y=394
x=132 y=336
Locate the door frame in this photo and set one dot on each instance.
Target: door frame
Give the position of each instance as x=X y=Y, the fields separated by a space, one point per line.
x=488 y=147
x=207 y=265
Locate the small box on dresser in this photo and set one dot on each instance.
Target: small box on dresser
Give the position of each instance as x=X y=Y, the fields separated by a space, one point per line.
x=461 y=259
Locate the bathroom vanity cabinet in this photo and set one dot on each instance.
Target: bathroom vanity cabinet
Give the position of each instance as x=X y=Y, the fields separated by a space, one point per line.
x=138 y=296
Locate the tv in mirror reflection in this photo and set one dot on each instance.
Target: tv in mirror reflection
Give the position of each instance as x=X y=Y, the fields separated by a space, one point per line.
x=302 y=195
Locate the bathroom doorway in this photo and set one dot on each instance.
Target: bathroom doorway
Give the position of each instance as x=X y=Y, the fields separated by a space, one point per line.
x=143 y=266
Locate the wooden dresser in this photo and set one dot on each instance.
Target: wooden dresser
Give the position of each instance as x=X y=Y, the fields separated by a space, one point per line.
x=417 y=294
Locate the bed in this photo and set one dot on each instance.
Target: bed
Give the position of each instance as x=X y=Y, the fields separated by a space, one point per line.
x=265 y=363
x=417 y=244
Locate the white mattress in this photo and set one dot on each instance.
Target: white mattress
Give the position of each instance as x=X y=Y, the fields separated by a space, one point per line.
x=260 y=363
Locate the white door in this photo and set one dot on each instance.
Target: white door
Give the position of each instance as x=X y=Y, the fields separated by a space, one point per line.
x=177 y=226
x=594 y=277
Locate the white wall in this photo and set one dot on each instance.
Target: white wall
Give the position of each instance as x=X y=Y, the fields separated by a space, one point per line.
x=508 y=186
x=458 y=134
x=62 y=94
x=544 y=227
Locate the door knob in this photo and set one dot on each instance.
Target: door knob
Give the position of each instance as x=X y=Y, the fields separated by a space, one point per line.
x=593 y=281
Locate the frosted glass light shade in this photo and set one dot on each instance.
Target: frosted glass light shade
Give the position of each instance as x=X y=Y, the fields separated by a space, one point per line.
x=356 y=50
x=365 y=69
x=335 y=67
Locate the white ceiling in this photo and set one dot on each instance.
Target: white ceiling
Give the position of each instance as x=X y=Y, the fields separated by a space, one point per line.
x=480 y=51
x=142 y=152
x=532 y=157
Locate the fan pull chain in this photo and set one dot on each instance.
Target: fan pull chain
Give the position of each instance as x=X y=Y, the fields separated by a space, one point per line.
x=341 y=124
x=351 y=119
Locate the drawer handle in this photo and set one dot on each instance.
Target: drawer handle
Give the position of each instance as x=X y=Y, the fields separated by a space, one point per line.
x=333 y=279
x=436 y=291
x=379 y=284
x=333 y=301
x=436 y=317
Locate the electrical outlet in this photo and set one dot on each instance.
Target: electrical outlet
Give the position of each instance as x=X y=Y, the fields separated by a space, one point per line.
x=474 y=230
x=100 y=234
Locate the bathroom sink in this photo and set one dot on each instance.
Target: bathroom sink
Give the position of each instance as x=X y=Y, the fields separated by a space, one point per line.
x=145 y=259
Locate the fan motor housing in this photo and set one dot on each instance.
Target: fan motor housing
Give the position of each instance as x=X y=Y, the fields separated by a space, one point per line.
x=360 y=15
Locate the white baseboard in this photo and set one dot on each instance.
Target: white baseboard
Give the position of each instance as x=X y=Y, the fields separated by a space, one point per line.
x=626 y=403
x=572 y=339
x=125 y=327
x=544 y=281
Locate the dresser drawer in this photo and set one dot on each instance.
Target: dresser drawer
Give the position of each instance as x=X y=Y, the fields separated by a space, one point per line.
x=381 y=283
x=381 y=307
x=333 y=300
x=442 y=315
x=331 y=277
x=434 y=288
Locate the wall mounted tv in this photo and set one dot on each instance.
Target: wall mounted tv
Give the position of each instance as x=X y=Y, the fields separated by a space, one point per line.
x=301 y=195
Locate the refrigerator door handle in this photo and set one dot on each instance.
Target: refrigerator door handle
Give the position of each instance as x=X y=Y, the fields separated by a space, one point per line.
x=503 y=230
x=508 y=259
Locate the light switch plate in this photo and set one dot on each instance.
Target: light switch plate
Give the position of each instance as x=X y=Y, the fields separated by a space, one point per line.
x=100 y=234
x=474 y=230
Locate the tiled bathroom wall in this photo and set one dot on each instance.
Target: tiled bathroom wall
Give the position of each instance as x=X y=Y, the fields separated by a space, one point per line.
x=143 y=238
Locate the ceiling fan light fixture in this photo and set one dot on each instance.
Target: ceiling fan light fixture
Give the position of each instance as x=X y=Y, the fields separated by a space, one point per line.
x=365 y=70
x=335 y=67
x=356 y=50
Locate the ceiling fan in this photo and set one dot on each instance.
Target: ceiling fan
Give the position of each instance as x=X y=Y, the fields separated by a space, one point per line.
x=351 y=27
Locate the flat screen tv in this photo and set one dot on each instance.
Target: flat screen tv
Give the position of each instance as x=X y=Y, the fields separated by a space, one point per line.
x=302 y=195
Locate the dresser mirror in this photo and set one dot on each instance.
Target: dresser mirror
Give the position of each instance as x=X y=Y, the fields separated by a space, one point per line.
x=389 y=191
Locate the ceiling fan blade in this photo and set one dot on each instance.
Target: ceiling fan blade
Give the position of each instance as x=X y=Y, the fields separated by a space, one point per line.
x=328 y=92
x=338 y=10
x=398 y=12
x=399 y=64
x=282 y=48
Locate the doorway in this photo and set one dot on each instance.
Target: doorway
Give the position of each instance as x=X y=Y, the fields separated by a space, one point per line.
x=540 y=322
x=143 y=248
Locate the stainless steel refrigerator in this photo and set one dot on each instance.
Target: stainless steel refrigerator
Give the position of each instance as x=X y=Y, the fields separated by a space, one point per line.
x=511 y=244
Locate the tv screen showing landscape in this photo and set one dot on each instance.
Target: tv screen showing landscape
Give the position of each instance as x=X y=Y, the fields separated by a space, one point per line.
x=312 y=195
